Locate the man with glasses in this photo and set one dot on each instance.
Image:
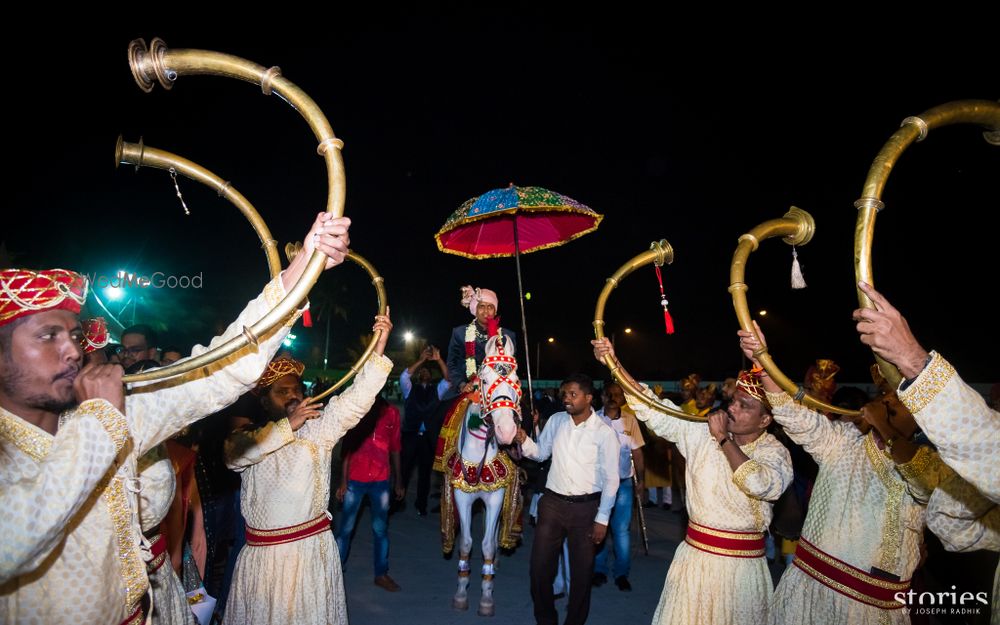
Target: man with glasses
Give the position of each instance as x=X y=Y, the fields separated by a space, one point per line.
x=138 y=344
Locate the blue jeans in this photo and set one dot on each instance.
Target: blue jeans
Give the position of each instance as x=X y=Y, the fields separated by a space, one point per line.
x=378 y=496
x=618 y=532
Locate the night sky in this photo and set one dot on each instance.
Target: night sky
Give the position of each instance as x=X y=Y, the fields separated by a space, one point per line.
x=433 y=111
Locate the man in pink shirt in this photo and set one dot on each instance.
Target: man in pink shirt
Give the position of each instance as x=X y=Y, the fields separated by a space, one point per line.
x=371 y=451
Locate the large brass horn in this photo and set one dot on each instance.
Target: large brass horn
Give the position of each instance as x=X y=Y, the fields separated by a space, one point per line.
x=166 y=66
x=660 y=253
x=913 y=129
x=142 y=155
x=291 y=249
x=796 y=227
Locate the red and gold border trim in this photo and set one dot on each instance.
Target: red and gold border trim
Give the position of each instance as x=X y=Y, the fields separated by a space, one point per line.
x=281 y=535
x=846 y=579
x=135 y=617
x=725 y=542
x=158 y=549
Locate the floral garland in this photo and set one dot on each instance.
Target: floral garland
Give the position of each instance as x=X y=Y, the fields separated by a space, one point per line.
x=470 y=351
x=472 y=332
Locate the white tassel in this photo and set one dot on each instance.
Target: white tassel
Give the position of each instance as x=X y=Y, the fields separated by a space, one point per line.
x=798 y=282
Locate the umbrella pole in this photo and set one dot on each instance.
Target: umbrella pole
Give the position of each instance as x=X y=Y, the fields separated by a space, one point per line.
x=524 y=320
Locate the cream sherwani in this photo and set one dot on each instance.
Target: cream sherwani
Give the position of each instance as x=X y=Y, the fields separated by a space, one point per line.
x=156 y=474
x=286 y=482
x=70 y=543
x=963 y=510
x=965 y=520
x=957 y=420
x=707 y=588
x=860 y=513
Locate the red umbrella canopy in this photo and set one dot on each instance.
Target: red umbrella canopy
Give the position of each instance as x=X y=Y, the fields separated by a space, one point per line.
x=483 y=227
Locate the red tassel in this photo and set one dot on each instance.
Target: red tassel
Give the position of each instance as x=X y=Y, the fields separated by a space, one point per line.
x=493 y=326
x=668 y=321
x=307 y=320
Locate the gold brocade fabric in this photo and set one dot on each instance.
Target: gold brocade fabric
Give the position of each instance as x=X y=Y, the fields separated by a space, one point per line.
x=156 y=473
x=170 y=605
x=705 y=588
x=964 y=512
x=158 y=485
x=860 y=513
x=71 y=477
x=277 y=369
x=286 y=482
x=511 y=513
x=71 y=550
x=957 y=420
x=447 y=442
x=511 y=516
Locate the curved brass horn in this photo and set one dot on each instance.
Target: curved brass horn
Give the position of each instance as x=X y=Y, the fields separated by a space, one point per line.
x=913 y=129
x=165 y=65
x=796 y=227
x=141 y=155
x=379 y=283
x=660 y=253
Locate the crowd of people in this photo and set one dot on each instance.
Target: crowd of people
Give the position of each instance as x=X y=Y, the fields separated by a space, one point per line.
x=122 y=501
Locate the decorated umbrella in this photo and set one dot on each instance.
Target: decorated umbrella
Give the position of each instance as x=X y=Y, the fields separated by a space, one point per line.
x=511 y=222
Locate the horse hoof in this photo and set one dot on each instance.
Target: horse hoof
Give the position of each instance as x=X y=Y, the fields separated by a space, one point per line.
x=460 y=604
x=486 y=609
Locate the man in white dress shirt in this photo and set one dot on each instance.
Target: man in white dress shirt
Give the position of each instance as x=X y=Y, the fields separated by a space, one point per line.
x=579 y=495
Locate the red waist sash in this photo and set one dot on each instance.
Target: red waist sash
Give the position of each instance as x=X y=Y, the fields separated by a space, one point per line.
x=846 y=579
x=725 y=542
x=281 y=535
x=158 y=547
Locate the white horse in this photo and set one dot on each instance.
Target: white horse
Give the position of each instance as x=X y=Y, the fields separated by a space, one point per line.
x=480 y=470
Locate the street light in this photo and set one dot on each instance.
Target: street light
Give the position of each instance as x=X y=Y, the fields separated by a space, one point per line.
x=614 y=335
x=762 y=313
x=538 y=355
x=114 y=293
x=116 y=288
x=407 y=336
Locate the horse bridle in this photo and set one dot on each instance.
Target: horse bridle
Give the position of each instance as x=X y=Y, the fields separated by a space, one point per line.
x=490 y=404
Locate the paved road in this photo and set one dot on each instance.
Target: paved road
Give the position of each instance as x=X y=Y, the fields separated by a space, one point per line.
x=428 y=579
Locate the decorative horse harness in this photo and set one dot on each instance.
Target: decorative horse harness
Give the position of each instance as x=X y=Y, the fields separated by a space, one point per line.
x=504 y=367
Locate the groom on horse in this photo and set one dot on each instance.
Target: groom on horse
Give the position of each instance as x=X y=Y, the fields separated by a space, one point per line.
x=482 y=417
x=466 y=351
x=467 y=347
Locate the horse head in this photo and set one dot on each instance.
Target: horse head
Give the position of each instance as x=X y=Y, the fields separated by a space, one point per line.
x=501 y=388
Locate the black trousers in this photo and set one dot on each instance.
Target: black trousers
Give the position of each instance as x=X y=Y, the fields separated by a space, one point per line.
x=418 y=451
x=558 y=520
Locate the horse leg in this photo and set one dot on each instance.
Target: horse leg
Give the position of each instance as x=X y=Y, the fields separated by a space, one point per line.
x=494 y=506
x=463 y=503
